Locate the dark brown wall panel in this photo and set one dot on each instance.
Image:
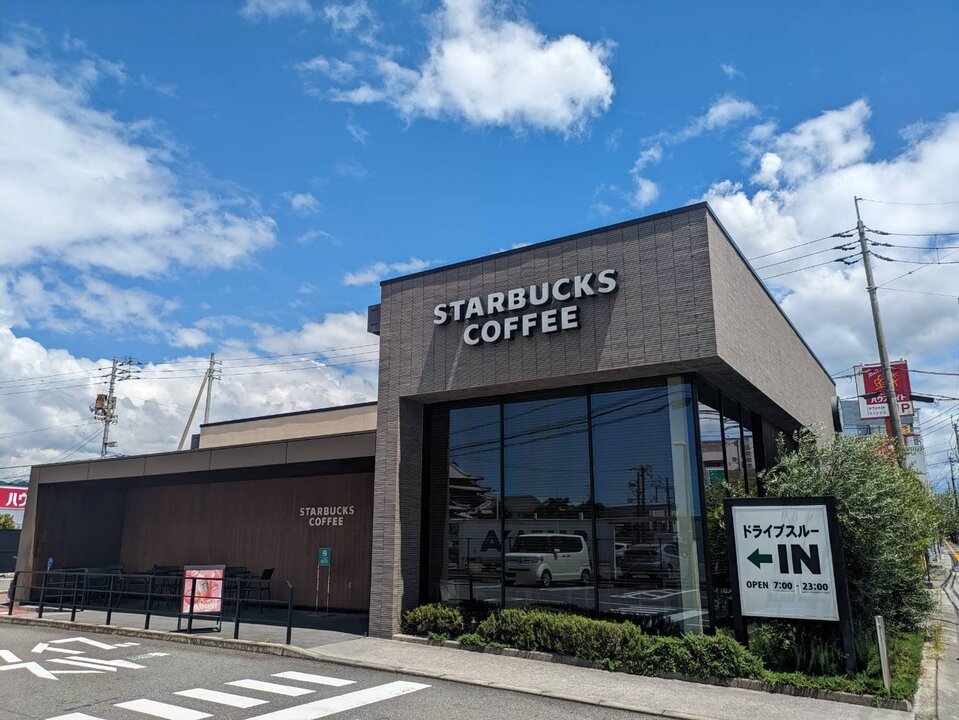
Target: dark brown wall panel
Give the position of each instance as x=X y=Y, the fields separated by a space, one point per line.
x=258 y=524
x=80 y=525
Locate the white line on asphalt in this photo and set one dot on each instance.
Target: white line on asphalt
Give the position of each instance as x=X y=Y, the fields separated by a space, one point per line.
x=43 y=647
x=215 y=696
x=126 y=644
x=8 y=657
x=317 y=679
x=76 y=672
x=162 y=710
x=83 y=664
x=88 y=641
x=97 y=662
x=269 y=687
x=33 y=667
x=74 y=716
x=341 y=703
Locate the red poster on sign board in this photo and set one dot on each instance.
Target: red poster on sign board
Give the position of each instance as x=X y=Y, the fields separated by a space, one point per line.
x=208 y=595
x=871 y=387
x=13 y=498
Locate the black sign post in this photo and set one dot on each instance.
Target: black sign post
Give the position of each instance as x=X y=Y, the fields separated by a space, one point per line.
x=790 y=555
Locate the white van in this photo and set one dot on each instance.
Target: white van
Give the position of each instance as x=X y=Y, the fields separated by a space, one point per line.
x=545 y=558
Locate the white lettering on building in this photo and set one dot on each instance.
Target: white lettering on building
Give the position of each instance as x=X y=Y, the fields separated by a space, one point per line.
x=550 y=320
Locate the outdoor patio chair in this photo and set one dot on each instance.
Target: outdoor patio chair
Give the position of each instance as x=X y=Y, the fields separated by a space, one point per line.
x=259 y=586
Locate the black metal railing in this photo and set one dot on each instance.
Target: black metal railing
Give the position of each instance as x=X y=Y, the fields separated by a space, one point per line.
x=165 y=594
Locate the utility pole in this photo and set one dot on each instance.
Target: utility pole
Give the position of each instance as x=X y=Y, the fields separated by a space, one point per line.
x=209 y=375
x=209 y=388
x=952 y=473
x=891 y=399
x=104 y=409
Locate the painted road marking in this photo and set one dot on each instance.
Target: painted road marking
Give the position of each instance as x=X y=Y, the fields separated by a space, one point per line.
x=222 y=698
x=8 y=657
x=269 y=687
x=33 y=667
x=341 y=703
x=43 y=647
x=316 y=679
x=162 y=710
x=98 y=664
x=74 y=716
x=88 y=641
x=952 y=550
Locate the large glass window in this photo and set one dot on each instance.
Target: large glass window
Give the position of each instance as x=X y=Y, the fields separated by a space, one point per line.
x=647 y=510
x=549 y=517
x=587 y=499
x=472 y=567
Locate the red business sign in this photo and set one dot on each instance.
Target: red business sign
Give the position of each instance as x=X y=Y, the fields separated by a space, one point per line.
x=871 y=387
x=13 y=498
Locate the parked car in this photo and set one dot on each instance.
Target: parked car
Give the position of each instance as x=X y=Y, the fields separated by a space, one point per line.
x=651 y=561
x=545 y=558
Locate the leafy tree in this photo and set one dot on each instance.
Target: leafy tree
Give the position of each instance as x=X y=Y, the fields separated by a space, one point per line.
x=7 y=522
x=887 y=516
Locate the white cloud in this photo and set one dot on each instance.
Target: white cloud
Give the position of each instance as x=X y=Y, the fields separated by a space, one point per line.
x=357 y=132
x=652 y=154
x=348 y=17
x=375 y=272
x=806 y=178
x=645 y=192
x=152 y=409
x=730 y=71
x=81 y=188
x=303 y=203
x=333 y=68
x=309 y=236
x=271 y=9
x=724 y=112
x=486 y=68
x=191 y=337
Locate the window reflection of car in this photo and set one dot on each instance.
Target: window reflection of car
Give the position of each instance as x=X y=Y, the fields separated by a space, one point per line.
x=542 y=559
x=652 y=561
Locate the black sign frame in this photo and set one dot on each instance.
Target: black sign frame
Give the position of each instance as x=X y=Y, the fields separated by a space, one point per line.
x=838 y=563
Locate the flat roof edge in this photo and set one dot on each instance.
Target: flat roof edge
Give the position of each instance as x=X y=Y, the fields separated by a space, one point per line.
x=289 y=414
x=217 y=448
x=545 y=243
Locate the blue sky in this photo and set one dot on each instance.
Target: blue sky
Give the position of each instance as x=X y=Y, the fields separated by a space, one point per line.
x=267 y=157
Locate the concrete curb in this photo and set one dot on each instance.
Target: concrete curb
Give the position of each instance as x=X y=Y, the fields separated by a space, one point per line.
x=739 y=683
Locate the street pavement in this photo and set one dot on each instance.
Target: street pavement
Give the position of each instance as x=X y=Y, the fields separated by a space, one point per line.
x=947 y=681
x=68 y=675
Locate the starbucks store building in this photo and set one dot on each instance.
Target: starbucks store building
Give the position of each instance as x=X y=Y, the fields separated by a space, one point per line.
x=558 y=424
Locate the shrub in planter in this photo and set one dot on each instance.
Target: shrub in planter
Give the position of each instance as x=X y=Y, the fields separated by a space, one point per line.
x=471 y=640
x=548 y=631
x=436 y=621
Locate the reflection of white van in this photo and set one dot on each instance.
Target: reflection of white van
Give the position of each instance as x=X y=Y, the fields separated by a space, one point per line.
x=541 y=558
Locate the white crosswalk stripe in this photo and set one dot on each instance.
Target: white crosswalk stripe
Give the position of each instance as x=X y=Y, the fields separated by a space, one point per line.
x=163 y=710
x=316 y=679
x=221 y=698
x=341 y=703
x=74 y=716
x=269 y=687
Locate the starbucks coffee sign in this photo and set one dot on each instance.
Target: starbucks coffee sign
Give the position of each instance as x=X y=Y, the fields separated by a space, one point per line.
x=483 y=316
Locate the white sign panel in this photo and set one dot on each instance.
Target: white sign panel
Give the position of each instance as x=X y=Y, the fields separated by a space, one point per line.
x=784 y=559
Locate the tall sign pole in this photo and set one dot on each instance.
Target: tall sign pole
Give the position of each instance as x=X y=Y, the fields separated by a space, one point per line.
x=881 y=342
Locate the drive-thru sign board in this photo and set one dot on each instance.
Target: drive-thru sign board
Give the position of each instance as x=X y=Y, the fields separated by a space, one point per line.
x=784 y=559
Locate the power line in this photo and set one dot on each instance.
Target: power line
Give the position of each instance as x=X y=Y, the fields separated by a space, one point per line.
x=843 y=259
x=911 y=272
x=920 y=292
x=845 y=248
x=890 y=202
x=843 y=234
x=52 y=427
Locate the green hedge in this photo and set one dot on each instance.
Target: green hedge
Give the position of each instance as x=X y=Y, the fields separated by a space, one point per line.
x=437 y=621
x=612 y=645
x=624 y=646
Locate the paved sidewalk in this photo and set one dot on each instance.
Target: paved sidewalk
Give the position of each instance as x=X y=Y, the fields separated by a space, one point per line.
x=947 y=680
x=655 y=696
